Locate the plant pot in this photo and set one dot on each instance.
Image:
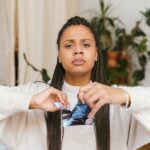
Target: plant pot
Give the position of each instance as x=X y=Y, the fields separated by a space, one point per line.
x=112 y=57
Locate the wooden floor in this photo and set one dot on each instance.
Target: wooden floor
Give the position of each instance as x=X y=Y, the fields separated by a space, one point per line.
x=146 y=147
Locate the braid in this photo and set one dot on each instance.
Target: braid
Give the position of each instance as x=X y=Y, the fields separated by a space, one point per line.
x=102 y=117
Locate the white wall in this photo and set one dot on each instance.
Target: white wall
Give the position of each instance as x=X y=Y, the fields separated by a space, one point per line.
x=127 y=10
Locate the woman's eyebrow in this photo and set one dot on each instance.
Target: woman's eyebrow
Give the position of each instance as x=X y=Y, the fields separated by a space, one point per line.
x=69 y=40
x=72 y=40
x=87 y=40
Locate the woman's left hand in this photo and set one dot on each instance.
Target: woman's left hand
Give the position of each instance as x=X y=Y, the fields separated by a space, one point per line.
x=96 y=95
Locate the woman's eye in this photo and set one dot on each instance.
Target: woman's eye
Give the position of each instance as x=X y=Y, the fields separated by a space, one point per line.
x=86 y=45
x=68 y=46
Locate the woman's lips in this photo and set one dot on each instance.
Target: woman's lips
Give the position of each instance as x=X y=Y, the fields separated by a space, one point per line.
x=78 y=62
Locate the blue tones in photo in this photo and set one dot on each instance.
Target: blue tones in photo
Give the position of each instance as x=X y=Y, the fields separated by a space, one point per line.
x=78 y=116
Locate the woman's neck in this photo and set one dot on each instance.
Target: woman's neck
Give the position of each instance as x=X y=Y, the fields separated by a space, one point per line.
x=77 y=81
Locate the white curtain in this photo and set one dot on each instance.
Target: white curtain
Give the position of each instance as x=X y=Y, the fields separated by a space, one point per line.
x=7 y=38
x=35 y=23
x=39 y=22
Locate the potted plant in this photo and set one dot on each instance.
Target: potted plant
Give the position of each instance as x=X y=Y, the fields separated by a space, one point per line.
x=104 y=24
x=135 y=41
x=116 y=43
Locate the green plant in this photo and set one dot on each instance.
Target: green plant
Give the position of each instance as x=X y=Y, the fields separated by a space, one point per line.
x=43 y=71
x=146 y=14
x=135 y=41
x=116 y=46
x=104 y=24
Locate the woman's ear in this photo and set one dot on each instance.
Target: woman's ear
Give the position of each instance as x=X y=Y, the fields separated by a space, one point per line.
x=96 y=56
x=59 y=59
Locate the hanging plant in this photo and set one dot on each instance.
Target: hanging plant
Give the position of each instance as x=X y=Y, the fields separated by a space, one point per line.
x=43 y=71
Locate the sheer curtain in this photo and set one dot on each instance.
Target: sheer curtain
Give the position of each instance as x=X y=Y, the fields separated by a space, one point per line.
x=7 y=38
x=39 y=22
x=35 y=24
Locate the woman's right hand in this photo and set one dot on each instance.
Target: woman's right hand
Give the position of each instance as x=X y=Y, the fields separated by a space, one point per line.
x=45 y=100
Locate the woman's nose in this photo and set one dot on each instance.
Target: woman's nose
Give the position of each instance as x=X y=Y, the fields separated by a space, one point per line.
x=78 y=50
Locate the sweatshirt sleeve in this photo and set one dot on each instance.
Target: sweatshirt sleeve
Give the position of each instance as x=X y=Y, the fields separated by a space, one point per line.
x=16 y=99
x=140 y=104
x=15 y=115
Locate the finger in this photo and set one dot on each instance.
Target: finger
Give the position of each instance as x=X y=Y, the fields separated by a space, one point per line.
x=91 y=92
x=86 y=87
x=57 y=95
x=93 y=99
x=80 y=96
x=65 y=98
x=96 y=107
x=62 y=97
x=82 y=91
x=50 y=106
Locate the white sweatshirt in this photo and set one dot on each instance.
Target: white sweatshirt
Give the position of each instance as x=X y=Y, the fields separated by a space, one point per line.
x=25 y=129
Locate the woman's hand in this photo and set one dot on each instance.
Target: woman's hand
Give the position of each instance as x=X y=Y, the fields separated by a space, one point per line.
x=96 y=95
x=45 y=100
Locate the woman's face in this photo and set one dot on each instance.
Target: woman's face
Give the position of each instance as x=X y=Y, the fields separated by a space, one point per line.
x=77 y=51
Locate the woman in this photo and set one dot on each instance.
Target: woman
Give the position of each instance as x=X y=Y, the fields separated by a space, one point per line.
x=29 y=115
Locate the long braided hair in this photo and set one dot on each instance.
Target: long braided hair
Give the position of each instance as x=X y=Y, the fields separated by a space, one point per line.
x=53 y=119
